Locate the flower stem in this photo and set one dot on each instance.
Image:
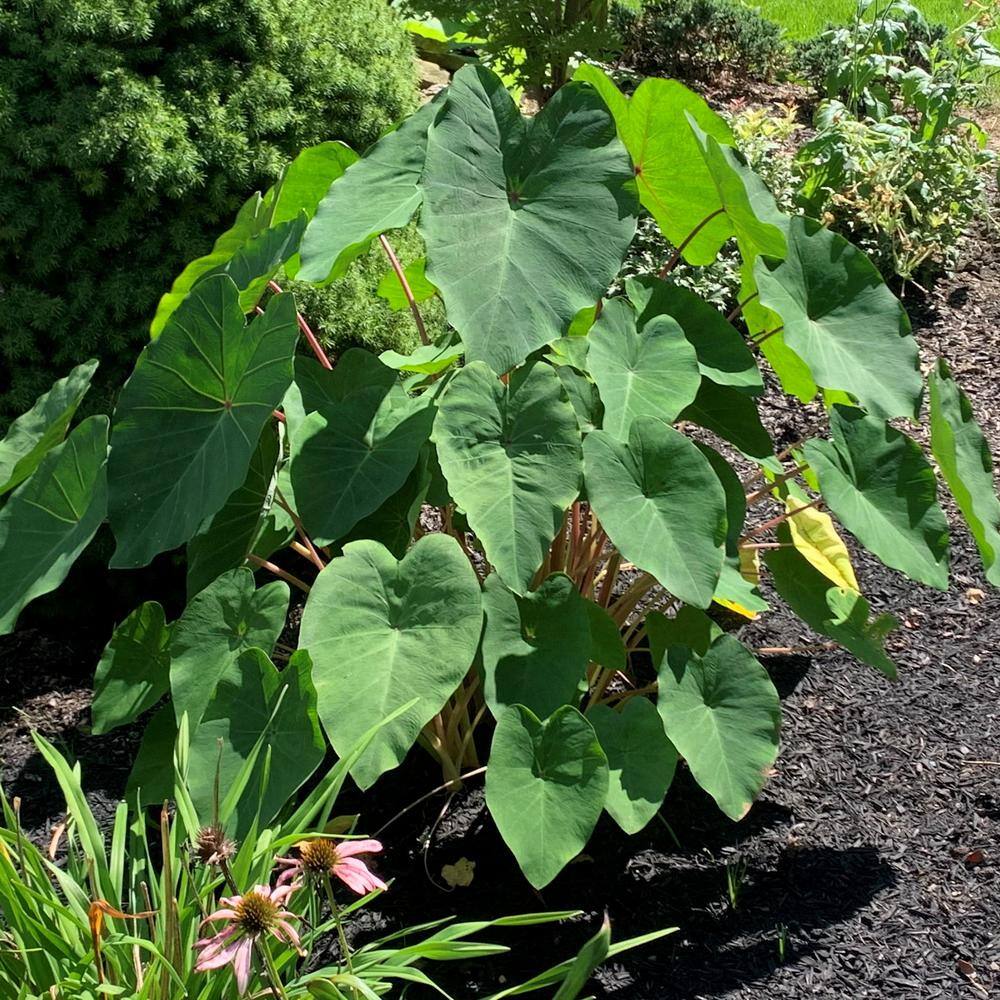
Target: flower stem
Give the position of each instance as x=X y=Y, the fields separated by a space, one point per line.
x=345 y=948
x=272 y=973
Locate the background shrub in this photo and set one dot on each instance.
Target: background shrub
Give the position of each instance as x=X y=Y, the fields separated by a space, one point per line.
x=131 y=133
x=698 y=39
x=349 y=313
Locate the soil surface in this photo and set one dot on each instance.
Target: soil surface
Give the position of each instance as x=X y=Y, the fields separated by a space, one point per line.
x=870 y=867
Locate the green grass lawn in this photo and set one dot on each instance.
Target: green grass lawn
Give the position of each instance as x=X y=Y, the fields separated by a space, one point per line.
x=802 y=19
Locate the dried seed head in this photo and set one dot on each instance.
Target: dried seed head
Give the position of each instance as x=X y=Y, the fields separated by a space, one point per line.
x=213 y=846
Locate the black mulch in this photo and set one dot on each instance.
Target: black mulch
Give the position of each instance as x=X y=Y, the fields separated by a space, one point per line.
x=870 y=868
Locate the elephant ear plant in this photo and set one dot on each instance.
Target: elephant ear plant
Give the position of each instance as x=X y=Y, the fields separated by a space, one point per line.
x=514 y=542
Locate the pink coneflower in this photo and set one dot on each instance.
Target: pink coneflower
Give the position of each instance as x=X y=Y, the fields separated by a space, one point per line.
x=320 y=858
x=248 y=917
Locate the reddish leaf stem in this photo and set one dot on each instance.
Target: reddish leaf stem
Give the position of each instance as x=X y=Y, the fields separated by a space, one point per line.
x=312 y=554
x=407 y=291
x=780 y=519
x=676 y=258
x=741 y=306
x=764 y=491
x=279 y=572
x=311 y=337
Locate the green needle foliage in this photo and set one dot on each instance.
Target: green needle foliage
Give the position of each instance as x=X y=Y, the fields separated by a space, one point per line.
x=129 y=133
x=497 y=532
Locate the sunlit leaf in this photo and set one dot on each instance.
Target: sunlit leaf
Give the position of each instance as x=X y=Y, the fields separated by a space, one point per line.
x=34 y=433
x=964 y=456
x=722 y=713
x=674 y=183
x=882 y=489
x=416 y=625
x=526 y=221
x=379 y=192
x=390 y=288
x=652 y=372
x=512 y=458
x=546 y=783
x=815 y=536
x=641 y=760
x=661 y=505
x=842 y=320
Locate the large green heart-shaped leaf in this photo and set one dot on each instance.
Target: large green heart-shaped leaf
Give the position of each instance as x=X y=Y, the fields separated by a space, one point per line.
x=32 y=434
x=840 y=614
x=226 y=618
x=733 y=415
x=723 y=355
x=675 y=185
x=535 y=648
x=526 y=222
x=190 y=417
x=379 y=192
x=723 y=715
x=251 y=700
x=648 y=373
x=394 y=522
x=689 y=627
x=966 y=464
x=842 y=320
x=757 y=224
x=134 y=670
x=50 y=518
x=878 y=483
x=224 y=542
x=546 y=784
x=512 y=458
x=382 y=632
x=661 y=505
x=641 y=761
x=355 y=443
x=308 y=178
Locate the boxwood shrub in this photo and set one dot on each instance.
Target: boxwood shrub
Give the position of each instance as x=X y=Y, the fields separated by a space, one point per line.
x=130 y=132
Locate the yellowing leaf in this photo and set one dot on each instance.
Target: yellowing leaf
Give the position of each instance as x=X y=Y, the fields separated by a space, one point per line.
x=460 y=874
x=749 y=570
x=814 y=535
x=750 y=566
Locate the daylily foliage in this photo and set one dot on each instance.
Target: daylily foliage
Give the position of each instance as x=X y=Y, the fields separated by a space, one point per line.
x=532 y=523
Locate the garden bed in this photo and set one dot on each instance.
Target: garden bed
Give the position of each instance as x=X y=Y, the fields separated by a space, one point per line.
x=870 y=860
